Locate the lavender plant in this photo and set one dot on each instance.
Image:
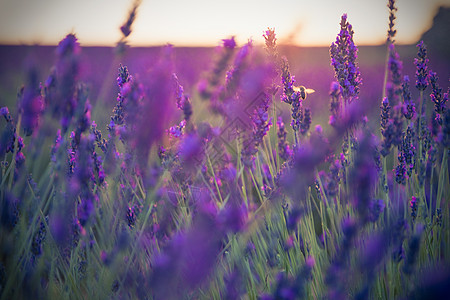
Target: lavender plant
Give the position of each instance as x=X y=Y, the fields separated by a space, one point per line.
x=166 y=202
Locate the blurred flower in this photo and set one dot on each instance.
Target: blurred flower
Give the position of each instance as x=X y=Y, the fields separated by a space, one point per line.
x=9 y=135
x=283 y=147
x=61 y=85
x=208 y=86
x=189 y=257
x=270 y=42
x=397 y=122
x=444 y=137
x=395 y=70
x=335 y=103
x=191 y=151
x=413 y=250
x=9 y=211
x=376 y=207
x=126 y=27
x=363 y=175
x=306 y=122
x=413 y=205
x=431 y=283
x=31 y=104
x=229 y=43
x=261 y=125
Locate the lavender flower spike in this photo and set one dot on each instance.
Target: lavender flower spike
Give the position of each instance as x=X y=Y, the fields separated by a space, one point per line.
x=409 y=108
x=335 y=104
x=283 y=147
x=436 y=95
x=343 y=58
x=392 y=17
x=421 y=63
x=31 y=103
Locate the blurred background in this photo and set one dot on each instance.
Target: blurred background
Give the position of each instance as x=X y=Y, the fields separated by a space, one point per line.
x=205 y=22
x=30 y=31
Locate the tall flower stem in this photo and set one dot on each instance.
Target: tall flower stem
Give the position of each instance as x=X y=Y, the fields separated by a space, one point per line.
x=384 y=158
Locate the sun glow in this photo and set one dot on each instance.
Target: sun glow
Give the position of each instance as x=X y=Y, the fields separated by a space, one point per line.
x=204 y=23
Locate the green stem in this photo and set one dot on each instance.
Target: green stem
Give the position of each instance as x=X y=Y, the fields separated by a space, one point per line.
x=442 y=175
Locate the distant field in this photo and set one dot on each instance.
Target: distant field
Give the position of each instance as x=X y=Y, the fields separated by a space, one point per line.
x=311 y=67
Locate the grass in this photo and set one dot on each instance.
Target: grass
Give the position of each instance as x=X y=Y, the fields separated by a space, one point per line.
x=196 y=216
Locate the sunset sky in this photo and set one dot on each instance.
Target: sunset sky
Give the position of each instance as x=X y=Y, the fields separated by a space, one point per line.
x=206 y=22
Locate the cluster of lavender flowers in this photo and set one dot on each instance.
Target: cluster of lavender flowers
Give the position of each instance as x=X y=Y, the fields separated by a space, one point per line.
x=343 y=59
x=172 y=203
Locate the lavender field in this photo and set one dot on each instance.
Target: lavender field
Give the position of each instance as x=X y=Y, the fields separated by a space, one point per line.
x=235 y=172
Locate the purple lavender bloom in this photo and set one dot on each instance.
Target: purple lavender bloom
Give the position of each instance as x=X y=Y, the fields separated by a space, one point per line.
x=38 y=239
x=131 y=215
x=287 y=81
x=8 y=136
x=191 y=151
x=156 y=102
x=270 y=41
x=31 y=104
x=432 y=283
x=283 y=147
x=189 y=257
x=55 y=146
x=101 y=142
x=306 y=122
x=8 y=140
x=208 y=87
x=335 y=103
x=126 y=27
x=333 y=178
x=178 y=130
x=233 y=217
x=400 y=170
x=387 y=128
x=385 y=113
x=229 y=43
x=261 y=124
x=64 y=81
x=343 y=59
x=413 y=205
x=305 y=159
x=9 y=211
x=183 y=102
x=444 y=137
x=86 y=209
x=413 y=250
x=395 y=67
x=98 y=168
x=297 y=111
x=233 y=75
x=409 y=108
x=376 y=207
x=392 y=17
x=363 y=176
x=421 y=63
x=408 y=149
x=397 y=119
x=436 y=95
x=293 y=218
